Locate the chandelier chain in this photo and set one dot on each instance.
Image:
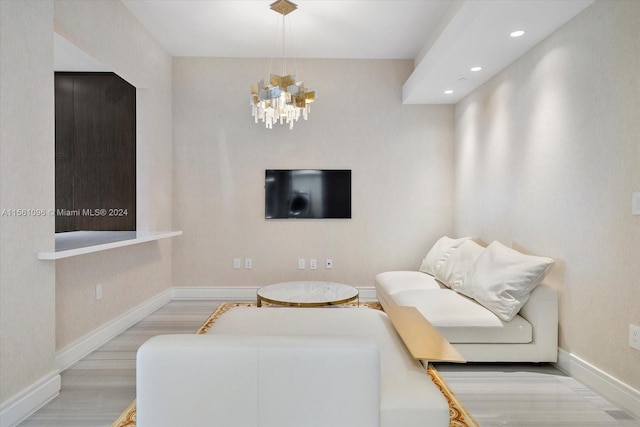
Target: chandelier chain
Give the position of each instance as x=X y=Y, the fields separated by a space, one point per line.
x=283 y=99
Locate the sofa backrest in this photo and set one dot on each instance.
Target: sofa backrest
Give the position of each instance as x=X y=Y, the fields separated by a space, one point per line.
x=266 y=381
x=541 y=310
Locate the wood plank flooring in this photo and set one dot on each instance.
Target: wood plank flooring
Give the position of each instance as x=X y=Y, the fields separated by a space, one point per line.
x=530 y=395
x=99 y=387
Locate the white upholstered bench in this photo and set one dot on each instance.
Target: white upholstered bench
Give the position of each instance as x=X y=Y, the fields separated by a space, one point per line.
x=407 y=396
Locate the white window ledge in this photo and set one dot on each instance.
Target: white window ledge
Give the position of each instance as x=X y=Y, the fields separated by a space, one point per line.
x=76 y=243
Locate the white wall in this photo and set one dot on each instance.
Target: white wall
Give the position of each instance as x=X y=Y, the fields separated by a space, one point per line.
x=107 y=32
x=27 y=286
x=401 y=159
x=547 y=156
x=44 y=305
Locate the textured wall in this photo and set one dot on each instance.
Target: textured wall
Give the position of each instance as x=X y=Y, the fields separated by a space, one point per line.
x=547 y=156
x=27 y=286
x=401 y=159
x=106 y=31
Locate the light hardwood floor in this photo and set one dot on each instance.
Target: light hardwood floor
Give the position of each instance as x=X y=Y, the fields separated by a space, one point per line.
x=99 y=387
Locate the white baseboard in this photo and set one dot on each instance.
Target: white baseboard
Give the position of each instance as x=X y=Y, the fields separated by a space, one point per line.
x=34 y=397
x=214 y=293
x=240 y=293
x=599 y=381
x=367 y=293
x=85 y=345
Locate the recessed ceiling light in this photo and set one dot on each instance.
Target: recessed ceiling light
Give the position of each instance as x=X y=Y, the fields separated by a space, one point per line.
x=517 y=33
x=476 y=68
x=448 y=92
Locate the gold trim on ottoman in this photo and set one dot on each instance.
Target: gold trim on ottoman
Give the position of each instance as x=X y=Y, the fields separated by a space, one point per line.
x=423 y=341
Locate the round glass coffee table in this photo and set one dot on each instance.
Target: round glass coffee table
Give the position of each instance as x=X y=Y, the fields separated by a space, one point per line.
x=307 y=294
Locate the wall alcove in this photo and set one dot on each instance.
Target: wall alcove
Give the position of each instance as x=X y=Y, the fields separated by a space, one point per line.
x=98 y=203
x=95 y=148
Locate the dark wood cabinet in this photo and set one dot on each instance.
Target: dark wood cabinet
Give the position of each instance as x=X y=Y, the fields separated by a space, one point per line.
x=95 y=152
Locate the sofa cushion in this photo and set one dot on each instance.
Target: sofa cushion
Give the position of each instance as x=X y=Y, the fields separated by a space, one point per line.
x=454 y=270
x=391 y=282
x=502 y=278
x=462 y=320
x=439 y=253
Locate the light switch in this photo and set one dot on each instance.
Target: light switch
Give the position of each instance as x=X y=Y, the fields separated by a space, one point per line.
x=635 y=204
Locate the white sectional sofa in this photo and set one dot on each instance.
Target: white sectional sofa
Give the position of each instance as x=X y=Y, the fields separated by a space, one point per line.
x=489 y=303
x=287 y=367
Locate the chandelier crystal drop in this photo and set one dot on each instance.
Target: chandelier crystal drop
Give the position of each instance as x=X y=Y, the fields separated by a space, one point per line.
x=283 y=100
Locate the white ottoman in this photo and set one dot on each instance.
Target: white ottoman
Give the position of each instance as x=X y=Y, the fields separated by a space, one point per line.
x=408 y=397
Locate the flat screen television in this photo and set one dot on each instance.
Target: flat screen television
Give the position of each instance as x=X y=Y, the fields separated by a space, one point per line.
x=307 y=193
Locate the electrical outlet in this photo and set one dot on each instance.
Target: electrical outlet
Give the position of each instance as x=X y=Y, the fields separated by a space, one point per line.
x=301 y=264
x=248 y=263
x=329 y=263
x=634 y=336
x=236 y=263
x=98 y=292
x=313 y=264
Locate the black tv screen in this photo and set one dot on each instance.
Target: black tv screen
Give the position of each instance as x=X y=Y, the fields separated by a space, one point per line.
x=307 y=193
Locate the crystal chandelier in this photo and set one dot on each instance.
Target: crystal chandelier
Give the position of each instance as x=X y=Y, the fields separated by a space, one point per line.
x=283 y=100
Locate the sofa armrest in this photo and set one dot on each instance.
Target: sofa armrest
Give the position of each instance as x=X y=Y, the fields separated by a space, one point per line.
x=258 y=380
x=541 y=310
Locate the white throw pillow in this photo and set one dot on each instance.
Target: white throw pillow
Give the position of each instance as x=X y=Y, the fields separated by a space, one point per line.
x=455 y=269
x=439 y=254
x=502 y=278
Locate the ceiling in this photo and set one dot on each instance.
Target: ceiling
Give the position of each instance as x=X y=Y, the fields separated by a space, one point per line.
x=444 y=37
